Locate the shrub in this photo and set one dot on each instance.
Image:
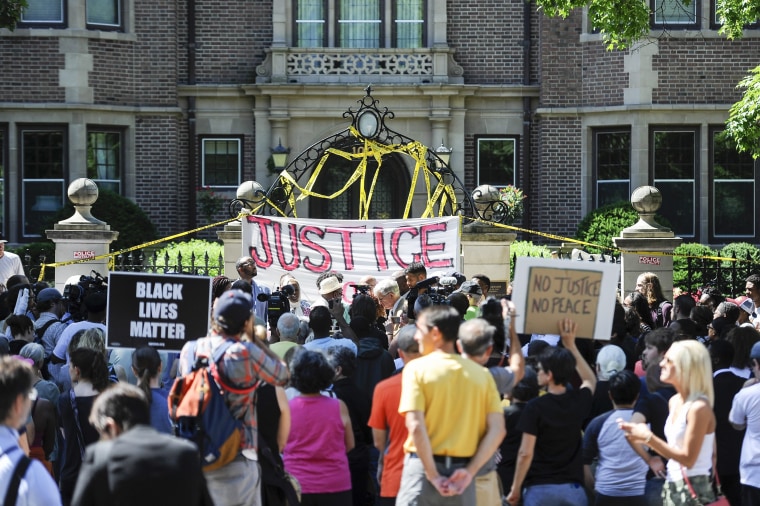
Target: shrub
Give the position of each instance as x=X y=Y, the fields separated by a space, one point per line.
x=680 y=266
x=123 y=215
x=526 y=249
x=602 y=224
x=743 y=251
x=187 y=249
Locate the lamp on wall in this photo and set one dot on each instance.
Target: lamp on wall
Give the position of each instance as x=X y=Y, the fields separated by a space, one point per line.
x=443 y=153
x=280 y=155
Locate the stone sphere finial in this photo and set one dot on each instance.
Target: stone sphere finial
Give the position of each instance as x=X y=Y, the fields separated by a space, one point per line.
x=646 y=199
x=251 y=191
x=83 y=192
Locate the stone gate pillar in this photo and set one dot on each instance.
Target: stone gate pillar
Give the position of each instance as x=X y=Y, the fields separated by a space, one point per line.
x=485 y=250
x=249 y=194
x=81 y=236
x=640 y=244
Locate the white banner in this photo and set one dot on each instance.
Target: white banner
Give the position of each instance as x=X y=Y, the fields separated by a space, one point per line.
x=355 y=248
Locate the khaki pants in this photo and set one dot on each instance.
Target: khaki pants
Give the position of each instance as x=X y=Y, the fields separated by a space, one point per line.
x=488 y=489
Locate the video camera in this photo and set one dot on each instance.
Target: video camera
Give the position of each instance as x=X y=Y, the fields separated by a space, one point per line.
x=278 y=301
x=438 y=294
x=362 y=289
x=75 y=293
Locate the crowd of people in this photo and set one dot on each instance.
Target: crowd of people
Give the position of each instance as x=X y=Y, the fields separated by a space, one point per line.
x=411 y=392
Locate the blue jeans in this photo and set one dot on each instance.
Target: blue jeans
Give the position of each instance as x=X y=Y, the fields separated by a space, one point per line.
x=563 y=494
x=236 y=484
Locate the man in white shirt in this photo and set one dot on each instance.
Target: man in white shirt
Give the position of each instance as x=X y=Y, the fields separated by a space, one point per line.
x=25 y=478
x=10 y=263
x=745 y=413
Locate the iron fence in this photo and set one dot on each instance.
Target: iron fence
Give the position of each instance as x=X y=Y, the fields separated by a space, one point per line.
x=727 y=276
x=138 y=261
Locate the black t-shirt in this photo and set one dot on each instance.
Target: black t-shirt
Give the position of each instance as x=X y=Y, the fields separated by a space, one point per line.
x=556 y=422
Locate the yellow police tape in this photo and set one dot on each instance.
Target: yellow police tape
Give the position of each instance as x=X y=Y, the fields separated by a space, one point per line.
x=111 y=256
x=613 y=250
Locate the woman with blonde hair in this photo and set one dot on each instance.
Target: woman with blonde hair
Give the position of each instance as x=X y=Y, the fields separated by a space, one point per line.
x=690 y=427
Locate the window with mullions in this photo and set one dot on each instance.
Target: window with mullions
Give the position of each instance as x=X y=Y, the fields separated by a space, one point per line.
x=104 y=14
x=674 y=167
x=732 y=199
x=311 y=30
x=43 y=174
x=47 y=13
x=409 y=23
x=104 y=159
x=359 y=23
x=675 y=14
x=497 y=161
x=221 y=162
x=612 y=166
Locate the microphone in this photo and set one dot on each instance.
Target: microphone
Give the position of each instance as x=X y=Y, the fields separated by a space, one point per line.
x=447 y=281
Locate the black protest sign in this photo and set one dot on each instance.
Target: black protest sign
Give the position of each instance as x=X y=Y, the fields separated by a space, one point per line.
x=161 y=311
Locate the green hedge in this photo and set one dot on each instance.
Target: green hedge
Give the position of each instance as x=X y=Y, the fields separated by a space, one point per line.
x=187 y=249
x=602 y=224
x=680 y=265
x=525 y=249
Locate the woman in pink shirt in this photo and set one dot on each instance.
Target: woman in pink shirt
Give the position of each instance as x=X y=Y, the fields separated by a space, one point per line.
x=320 y=434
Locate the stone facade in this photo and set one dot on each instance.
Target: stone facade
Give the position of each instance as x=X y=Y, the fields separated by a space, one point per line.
x=548 y=83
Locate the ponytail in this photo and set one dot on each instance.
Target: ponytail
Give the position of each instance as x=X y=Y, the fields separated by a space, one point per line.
x=145 y=364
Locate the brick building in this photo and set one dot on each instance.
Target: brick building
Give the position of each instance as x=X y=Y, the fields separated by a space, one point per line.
x=154 y=99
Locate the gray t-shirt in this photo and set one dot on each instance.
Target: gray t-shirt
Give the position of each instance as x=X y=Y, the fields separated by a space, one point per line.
x=504 y=378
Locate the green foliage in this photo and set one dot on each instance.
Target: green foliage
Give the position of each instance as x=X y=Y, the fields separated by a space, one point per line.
x=512 y=198
x=680 y=265
x=187 y=249
x=602 y=224
x=743 y=123
x=620 y=22
x=123 y=215
x=735 y=15
x=209 y=203
x=743 y=250
x=526 y=249
x=10 y=13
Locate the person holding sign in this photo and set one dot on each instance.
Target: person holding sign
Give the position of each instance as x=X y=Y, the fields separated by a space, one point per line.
x=549 y=462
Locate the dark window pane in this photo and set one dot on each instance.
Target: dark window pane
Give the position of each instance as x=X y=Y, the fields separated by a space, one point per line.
x=727 y=162
x=733 y=209
x=496 y=161
x=610 y=192
x=678 y=205
x=221 y=162
x=41 y=202
x=674 y=155
x=43 y=155
x=613 y=155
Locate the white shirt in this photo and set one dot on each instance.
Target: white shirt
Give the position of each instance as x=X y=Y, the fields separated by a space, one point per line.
x=745 y=410
x=37 y=486
x=10 y=265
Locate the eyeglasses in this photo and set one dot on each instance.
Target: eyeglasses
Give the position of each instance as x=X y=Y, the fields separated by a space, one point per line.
x=32 y=394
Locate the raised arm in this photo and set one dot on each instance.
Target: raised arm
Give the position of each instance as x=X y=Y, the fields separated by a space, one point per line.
x=567 y=330
x=516 y=359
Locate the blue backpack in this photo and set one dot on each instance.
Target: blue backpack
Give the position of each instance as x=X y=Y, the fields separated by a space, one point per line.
x=200 y=414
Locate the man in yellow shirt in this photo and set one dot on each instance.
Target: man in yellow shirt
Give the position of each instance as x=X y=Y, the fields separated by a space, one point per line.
x=453 y=415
